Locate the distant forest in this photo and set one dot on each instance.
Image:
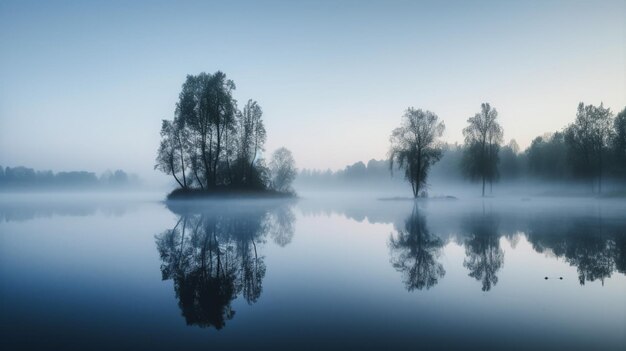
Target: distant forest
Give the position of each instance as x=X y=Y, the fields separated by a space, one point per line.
x=588 y=151
x=23 y=178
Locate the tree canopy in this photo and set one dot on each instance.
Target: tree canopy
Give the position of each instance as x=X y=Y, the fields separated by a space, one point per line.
x=483 y=137
x=210 y=144
x=415 y=146
x=588 y=139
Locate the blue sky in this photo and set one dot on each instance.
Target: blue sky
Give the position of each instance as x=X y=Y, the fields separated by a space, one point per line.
x=84 y=85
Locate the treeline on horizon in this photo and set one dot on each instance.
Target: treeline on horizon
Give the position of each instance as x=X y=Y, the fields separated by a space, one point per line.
x=212 y=146
x=588 y=151
x=23 y=178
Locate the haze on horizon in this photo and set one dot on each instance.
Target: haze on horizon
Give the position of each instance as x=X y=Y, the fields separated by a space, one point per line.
x=85 y=85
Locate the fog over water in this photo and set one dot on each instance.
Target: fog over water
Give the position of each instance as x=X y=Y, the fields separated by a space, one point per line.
x=312 y=175
x=319 y=272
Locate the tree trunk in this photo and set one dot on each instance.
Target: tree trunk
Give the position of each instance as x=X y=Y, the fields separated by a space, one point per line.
x=218 y=148
x=204 y=159
x=174 y=173
x=182 y=163
x=195 y=173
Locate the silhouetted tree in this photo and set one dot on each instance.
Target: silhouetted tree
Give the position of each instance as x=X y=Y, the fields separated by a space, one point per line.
x=170 y=158
x=483 y=137
x=415 y=146
x=248 y=145
x=414 y=252
x=207 y=107
x=619 y=141
x=547 y=157
x=282 y=169
x=587 y=140
x=210 y=144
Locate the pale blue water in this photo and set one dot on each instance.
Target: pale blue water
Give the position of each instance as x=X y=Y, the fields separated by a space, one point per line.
x=106 y=273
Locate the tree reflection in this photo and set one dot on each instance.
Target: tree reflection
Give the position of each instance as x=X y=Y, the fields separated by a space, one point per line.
x=213 y=257
x=484 y=257
x=282 y=221
x=596 y=249
x=414 y=253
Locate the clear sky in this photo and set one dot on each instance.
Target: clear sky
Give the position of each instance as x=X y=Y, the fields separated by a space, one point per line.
x=84 y=85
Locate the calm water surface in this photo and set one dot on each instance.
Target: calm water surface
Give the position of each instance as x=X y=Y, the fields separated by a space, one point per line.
x=329 y=273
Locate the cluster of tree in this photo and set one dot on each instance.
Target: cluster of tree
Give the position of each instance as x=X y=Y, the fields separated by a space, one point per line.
x=211 y=144
x=589 y=150
x=23 y=178
x=212 y=257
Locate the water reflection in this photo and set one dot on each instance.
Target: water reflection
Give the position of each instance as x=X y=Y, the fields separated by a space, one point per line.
x=212 y=256
x=25 y=210
x=219 y=257
x=414 y=253
x=484 y=257
x=594 y=246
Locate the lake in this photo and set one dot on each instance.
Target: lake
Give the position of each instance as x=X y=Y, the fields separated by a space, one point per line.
x=343 y=273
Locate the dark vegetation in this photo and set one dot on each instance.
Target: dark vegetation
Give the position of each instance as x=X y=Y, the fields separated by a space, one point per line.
x=23 y=178
x=211 y=147
x=589 y=152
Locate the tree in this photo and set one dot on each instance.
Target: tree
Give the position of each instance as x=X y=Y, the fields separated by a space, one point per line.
x=170 y=158
x=207 y=107
x=415 y=146
x=210 y=144
x=483 y=137
x=547 y=157
x=588 y=139
x=282 y=169
x=250 y=143
x=510 y=164
x=619 y=140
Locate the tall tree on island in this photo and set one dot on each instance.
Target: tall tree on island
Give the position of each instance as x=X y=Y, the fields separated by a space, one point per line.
x=212 y=146
x=415 y=146
x=252 y=138
x=208 y=109
x=483 y=137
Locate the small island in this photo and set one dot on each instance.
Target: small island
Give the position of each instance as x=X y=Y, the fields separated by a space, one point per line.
x=213 y=149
